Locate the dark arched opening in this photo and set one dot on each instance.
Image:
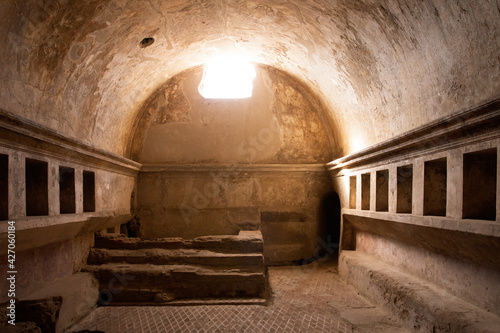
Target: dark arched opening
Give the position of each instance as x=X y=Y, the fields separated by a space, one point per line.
x=328 y=238
x=330 y=211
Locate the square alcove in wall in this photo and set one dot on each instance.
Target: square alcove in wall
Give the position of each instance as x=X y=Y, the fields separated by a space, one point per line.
x=37 y=188
x=435 y=178
x=404 y=189
x=67 y=190
x=365 y=191
x=88 y=191
x=382 y=191
x=4 y=187
x=352 y=192
x=480 y=185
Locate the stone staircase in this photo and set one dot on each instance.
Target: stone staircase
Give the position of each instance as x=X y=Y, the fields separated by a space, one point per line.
x=206 y=270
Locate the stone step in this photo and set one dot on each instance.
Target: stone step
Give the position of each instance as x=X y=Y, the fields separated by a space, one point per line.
x=245 y=242
x=136 y=283
x=420 y=305
x=203 y=258
x=176 y=270
x=196 y=302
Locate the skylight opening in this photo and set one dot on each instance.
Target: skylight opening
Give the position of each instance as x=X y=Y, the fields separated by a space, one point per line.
x=227 y=78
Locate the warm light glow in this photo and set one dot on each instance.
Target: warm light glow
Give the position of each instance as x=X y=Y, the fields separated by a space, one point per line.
x=227 y=78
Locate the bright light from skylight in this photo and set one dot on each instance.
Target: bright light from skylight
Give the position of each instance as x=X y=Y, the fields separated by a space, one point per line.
x=227 y=78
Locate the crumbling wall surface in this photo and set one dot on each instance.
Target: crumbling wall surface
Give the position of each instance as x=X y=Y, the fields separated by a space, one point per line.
x=285 y=205
x=39 y=266
x=219 y=166
x=80 y=67
x=471 y=280
x=437 y=220
x=282 y=123
x=47 y=286
x=58 y=193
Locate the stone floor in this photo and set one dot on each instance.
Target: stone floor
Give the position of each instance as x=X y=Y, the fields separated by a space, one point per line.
x=308 y=298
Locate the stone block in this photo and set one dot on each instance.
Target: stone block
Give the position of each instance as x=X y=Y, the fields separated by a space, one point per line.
x=73 y=298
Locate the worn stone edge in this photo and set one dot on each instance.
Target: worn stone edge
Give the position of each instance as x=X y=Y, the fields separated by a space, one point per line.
x=58 y=143
x=479 y=227
x=430 y=138
x=233 y=168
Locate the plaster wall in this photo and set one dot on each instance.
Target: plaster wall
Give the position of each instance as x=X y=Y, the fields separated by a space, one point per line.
x=38 y=267
x=465 y=279
x=282 y=123
x=218 y=166
x=285 y=205
x=448 y=246
x=79 y=68
x=55 y=245
x=113 y=190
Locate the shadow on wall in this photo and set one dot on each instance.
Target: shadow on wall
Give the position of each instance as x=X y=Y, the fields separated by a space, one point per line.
x=328 y=238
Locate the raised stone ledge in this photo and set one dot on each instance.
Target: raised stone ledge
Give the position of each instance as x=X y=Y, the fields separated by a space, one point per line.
x=99 y=256
x=244 y=242
x=419 y=305
x=18 y=133
x=474 y=241
x=32 y=232
x=479 y=227
x=462 y=128
x=165 y=269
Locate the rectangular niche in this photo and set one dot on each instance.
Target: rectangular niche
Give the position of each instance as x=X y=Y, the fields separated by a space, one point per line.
x=67 y=197
x=88 y=191
x=4 y=187
x=365 y=191
x=404 y=190
x=435 y=175
x=37 y=185
x=382 y=191
x=480 y=185
x=352 y=192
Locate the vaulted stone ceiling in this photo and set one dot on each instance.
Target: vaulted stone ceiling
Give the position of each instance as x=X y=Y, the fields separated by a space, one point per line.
x=379 y=67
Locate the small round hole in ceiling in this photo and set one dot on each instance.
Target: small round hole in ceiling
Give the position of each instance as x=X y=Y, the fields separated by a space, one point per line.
x=146 y=42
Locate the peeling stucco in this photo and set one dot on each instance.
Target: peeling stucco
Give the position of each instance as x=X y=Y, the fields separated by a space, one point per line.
x=281 y=123
x=78 y=68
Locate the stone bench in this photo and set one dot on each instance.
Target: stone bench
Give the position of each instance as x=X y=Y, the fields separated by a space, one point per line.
x=419 y=305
